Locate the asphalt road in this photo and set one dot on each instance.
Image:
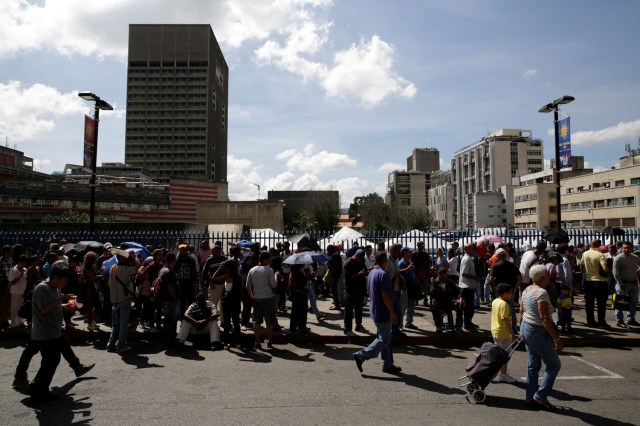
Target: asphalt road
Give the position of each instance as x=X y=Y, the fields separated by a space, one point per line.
x=314 y=384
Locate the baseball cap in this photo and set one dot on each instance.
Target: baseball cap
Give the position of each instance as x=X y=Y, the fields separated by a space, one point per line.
x=108 y=246
x=182 y=246
x=405 y=249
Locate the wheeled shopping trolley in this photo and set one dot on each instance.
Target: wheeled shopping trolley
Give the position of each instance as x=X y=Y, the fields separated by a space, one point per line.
x=484 y=366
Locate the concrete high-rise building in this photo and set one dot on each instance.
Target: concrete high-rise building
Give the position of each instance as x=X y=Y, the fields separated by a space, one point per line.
x=488 y=165
x=424 y=160
x=177 y=102
x=408 y=190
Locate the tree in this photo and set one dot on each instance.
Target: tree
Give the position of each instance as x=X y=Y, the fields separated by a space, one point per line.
x=371 y=210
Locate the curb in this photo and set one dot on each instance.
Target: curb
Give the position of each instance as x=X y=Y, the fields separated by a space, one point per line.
x=445 y=341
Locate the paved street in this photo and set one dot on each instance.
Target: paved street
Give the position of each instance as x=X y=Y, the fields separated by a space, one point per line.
x=314 y=384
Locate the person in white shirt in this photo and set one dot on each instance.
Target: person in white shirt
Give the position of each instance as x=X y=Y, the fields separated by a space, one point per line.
x=18 y=282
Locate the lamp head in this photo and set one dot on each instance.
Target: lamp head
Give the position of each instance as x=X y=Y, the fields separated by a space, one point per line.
x=564 y=100
x=88 y=96
x=100 y=104
x=548 y=108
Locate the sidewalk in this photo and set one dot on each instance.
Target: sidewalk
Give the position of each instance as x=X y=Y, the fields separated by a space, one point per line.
x=330 y=331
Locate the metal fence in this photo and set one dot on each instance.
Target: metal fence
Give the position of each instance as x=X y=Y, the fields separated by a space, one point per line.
x=521 y=239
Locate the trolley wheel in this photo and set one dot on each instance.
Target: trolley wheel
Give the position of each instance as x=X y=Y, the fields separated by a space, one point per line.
x=471 y=387
x=479 y=396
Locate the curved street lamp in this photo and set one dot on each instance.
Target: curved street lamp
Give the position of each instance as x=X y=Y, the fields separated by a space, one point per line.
x=553 y=107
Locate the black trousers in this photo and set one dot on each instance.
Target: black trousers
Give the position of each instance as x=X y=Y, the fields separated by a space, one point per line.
x=469 y=297
x=34 y=346
x=246 y=309
x=231 y=313
x=596 y=291
x=50 y=350
x=354 y=304
x=299 y=308
x=445 y=308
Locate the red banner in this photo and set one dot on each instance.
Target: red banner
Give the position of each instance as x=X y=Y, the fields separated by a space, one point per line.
x=89 y=143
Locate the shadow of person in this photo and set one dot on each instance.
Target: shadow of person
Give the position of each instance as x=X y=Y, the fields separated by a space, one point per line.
x=251 y=355
x=385 y=378
x=519 y=404
x=65 y=409
x=428 y=385
x=290 y=356
x=139 y=361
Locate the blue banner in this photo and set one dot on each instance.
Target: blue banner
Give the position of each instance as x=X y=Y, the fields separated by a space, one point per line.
x=564 y=141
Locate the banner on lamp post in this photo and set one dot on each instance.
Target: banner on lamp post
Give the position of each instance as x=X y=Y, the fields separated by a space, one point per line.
x=564 y=140
x=89 y=143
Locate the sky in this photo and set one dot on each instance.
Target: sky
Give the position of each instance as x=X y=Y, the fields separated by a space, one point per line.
x=334 y=94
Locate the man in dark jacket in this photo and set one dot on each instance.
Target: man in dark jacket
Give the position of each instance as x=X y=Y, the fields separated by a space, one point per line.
x=443 y=295
x=355 y=278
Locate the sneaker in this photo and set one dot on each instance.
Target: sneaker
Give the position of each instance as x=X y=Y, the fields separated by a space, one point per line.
x=111 y=348
x=349 y=333
x=269 y=344
x=361 y=329
x=83 y=369
x=358 y=361
x=20 y=382
x=93 y=327
x=123 y=349
x=622 y=325
x=257 y=346
x=216 y=346
x=411 y=326
x=227 y=347
x=506 y=378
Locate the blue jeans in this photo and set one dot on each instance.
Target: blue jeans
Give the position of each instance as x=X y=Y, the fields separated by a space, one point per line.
x=381 y=345
x=171 y=311
x=313 y=301
x=631 y=290
x=539 y=348
x=119 y=326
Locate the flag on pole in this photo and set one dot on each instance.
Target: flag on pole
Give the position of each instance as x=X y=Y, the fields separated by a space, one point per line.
x=89 y=143
x=564 y=140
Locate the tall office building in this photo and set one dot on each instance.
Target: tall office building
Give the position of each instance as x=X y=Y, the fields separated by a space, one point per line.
x=488 y=165
x=177 y=102
x=424 y=160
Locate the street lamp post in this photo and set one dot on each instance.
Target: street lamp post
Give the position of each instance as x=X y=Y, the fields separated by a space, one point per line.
x=98 y=105
x=553 y=106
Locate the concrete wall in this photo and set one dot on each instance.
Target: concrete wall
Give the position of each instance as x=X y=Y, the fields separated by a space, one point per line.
x=256 y=214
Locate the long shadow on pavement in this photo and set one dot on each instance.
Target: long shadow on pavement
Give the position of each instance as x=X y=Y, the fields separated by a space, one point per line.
x=587 y=418
x=63 y=411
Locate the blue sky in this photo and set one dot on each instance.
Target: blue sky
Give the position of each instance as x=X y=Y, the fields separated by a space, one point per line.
x=334 y=94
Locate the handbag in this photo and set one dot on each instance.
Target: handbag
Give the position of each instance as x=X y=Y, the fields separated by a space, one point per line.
x=621 y=302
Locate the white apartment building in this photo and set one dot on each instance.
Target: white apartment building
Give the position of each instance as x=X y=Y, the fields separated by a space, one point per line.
x=488 y=165
x=441 y=200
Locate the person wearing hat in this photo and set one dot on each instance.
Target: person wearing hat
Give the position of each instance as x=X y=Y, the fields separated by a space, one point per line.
x=355 y=278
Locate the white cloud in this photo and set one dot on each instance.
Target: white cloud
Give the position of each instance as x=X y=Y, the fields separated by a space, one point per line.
x=240 y=173
x=291 y=33
x=364 y=71
x=321 y=162
x=389 y=167
x=22 y=118
x=620 y=132
x=38 y=163
x=529 y=74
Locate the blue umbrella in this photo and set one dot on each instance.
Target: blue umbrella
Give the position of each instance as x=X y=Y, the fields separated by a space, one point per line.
x=140 y=250
x=244 y=244
x=306 y=258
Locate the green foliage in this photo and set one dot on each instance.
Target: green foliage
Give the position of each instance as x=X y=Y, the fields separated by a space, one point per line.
x=71 y=216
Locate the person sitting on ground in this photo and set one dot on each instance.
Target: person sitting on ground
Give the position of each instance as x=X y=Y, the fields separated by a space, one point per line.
x=501 y=329
x=443 y=293
x=201 y=317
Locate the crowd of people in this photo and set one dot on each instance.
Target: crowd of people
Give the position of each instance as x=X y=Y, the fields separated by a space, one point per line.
x=222 y=295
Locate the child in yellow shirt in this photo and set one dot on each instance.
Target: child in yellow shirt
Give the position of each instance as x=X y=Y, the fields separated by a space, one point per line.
x=501 y=328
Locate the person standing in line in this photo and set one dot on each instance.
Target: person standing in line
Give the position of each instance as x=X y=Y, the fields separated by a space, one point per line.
x=468 y=283
x=18 y=282
x=383 y=316
x=261 y=282
x=625 y=271
x=596 y=286
x=121 y=297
